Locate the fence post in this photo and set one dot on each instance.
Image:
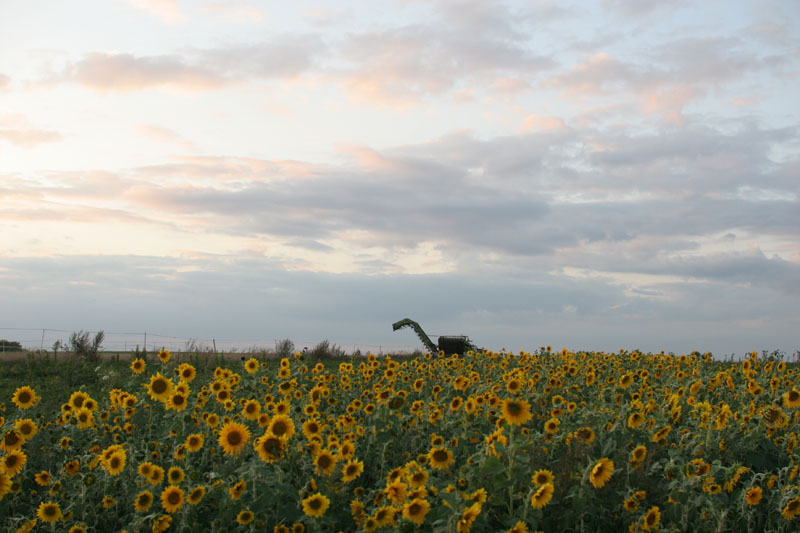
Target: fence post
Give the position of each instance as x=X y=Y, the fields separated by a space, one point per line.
x=145 y=341
x=42 y=345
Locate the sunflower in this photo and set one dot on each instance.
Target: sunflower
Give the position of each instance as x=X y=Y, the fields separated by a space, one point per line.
x=791 y=399
x=196 y=495
x=516 y=412
x=325 y=462
x=138 y=366
x=585 y=435
x=164 y=355
x=5 y=484
x=551 y=426
x=244 y=517
x=440 y=458
x=12 y=462
x=115 y=462
x=281 y=426
x=77 y=528
x=237 y=490
x=233 y=437
x=631 y=504
x=26 y=428
x=661 y=434
x=791 y=509
x=251 y=366
x=396 y=492
x=159 y=388
x=175 y=475
x=651 y=519
x=268 y=447
x=352 y=470
x=84 y=418
x=109 y=502
x=311 y=428
x=72 y=467
x=315 y=505
x=49 y=512
x=162 y=523
x=156 y=475
x=542 y=477
x=143 y=501
x=194 y=442
x=635 y=419
x=417 y=478
x=385 y=516
x=25 y=397
x=11 y=441
x=171 y=498
x=176 y=402
x=753 y=496
x=415 y=510
x=601 y=472
x=468 y=517
x=186 y=372
x=43 y=478
x=519 y=527
x=638 y=454
x=251 y=410
x=542 y=496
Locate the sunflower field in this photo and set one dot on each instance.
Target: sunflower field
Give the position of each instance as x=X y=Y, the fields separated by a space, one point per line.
x=488 y=441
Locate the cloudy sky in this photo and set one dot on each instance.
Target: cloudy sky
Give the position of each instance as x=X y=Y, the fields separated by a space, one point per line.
x=593 y=175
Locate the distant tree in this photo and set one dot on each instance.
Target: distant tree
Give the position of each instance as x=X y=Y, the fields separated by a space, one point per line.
x=284 y=347
x=87 y=349
x=9 y=346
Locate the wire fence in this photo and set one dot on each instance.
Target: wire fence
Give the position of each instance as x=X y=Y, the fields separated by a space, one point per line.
x=51 y=339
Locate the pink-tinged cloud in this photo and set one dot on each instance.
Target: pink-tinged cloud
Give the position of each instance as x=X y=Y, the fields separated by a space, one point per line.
x=598 y=74
x=168 y=11
x=127 y=72
x=235 y=11
x=543 y=123
x=5 y=81
x=15 y=129
x=164 y=135
x=669 y=101
x=29 y=138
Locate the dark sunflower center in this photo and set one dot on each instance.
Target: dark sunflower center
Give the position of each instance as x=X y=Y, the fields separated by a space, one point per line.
x=24 y=396
x=114 y=462
x=234 y=438
x=159 y=386
x=279 y=428
x=315 y=504
x=440 y=456
x=324 y=461
x=11 y=461
x=514 y=408
x=414 y=509
x=174 y=498
x=50 y=510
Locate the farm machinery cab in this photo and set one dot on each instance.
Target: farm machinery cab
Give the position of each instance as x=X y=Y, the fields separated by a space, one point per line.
x=449 y=344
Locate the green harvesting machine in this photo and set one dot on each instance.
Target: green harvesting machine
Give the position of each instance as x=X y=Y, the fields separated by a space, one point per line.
x=449 y=344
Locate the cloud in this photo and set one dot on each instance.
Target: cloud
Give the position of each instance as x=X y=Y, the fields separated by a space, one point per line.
x=235 y=10
x=5 y=81
x=169 y=11
x=17 y=130
x=125 y=72
x=164 y=135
